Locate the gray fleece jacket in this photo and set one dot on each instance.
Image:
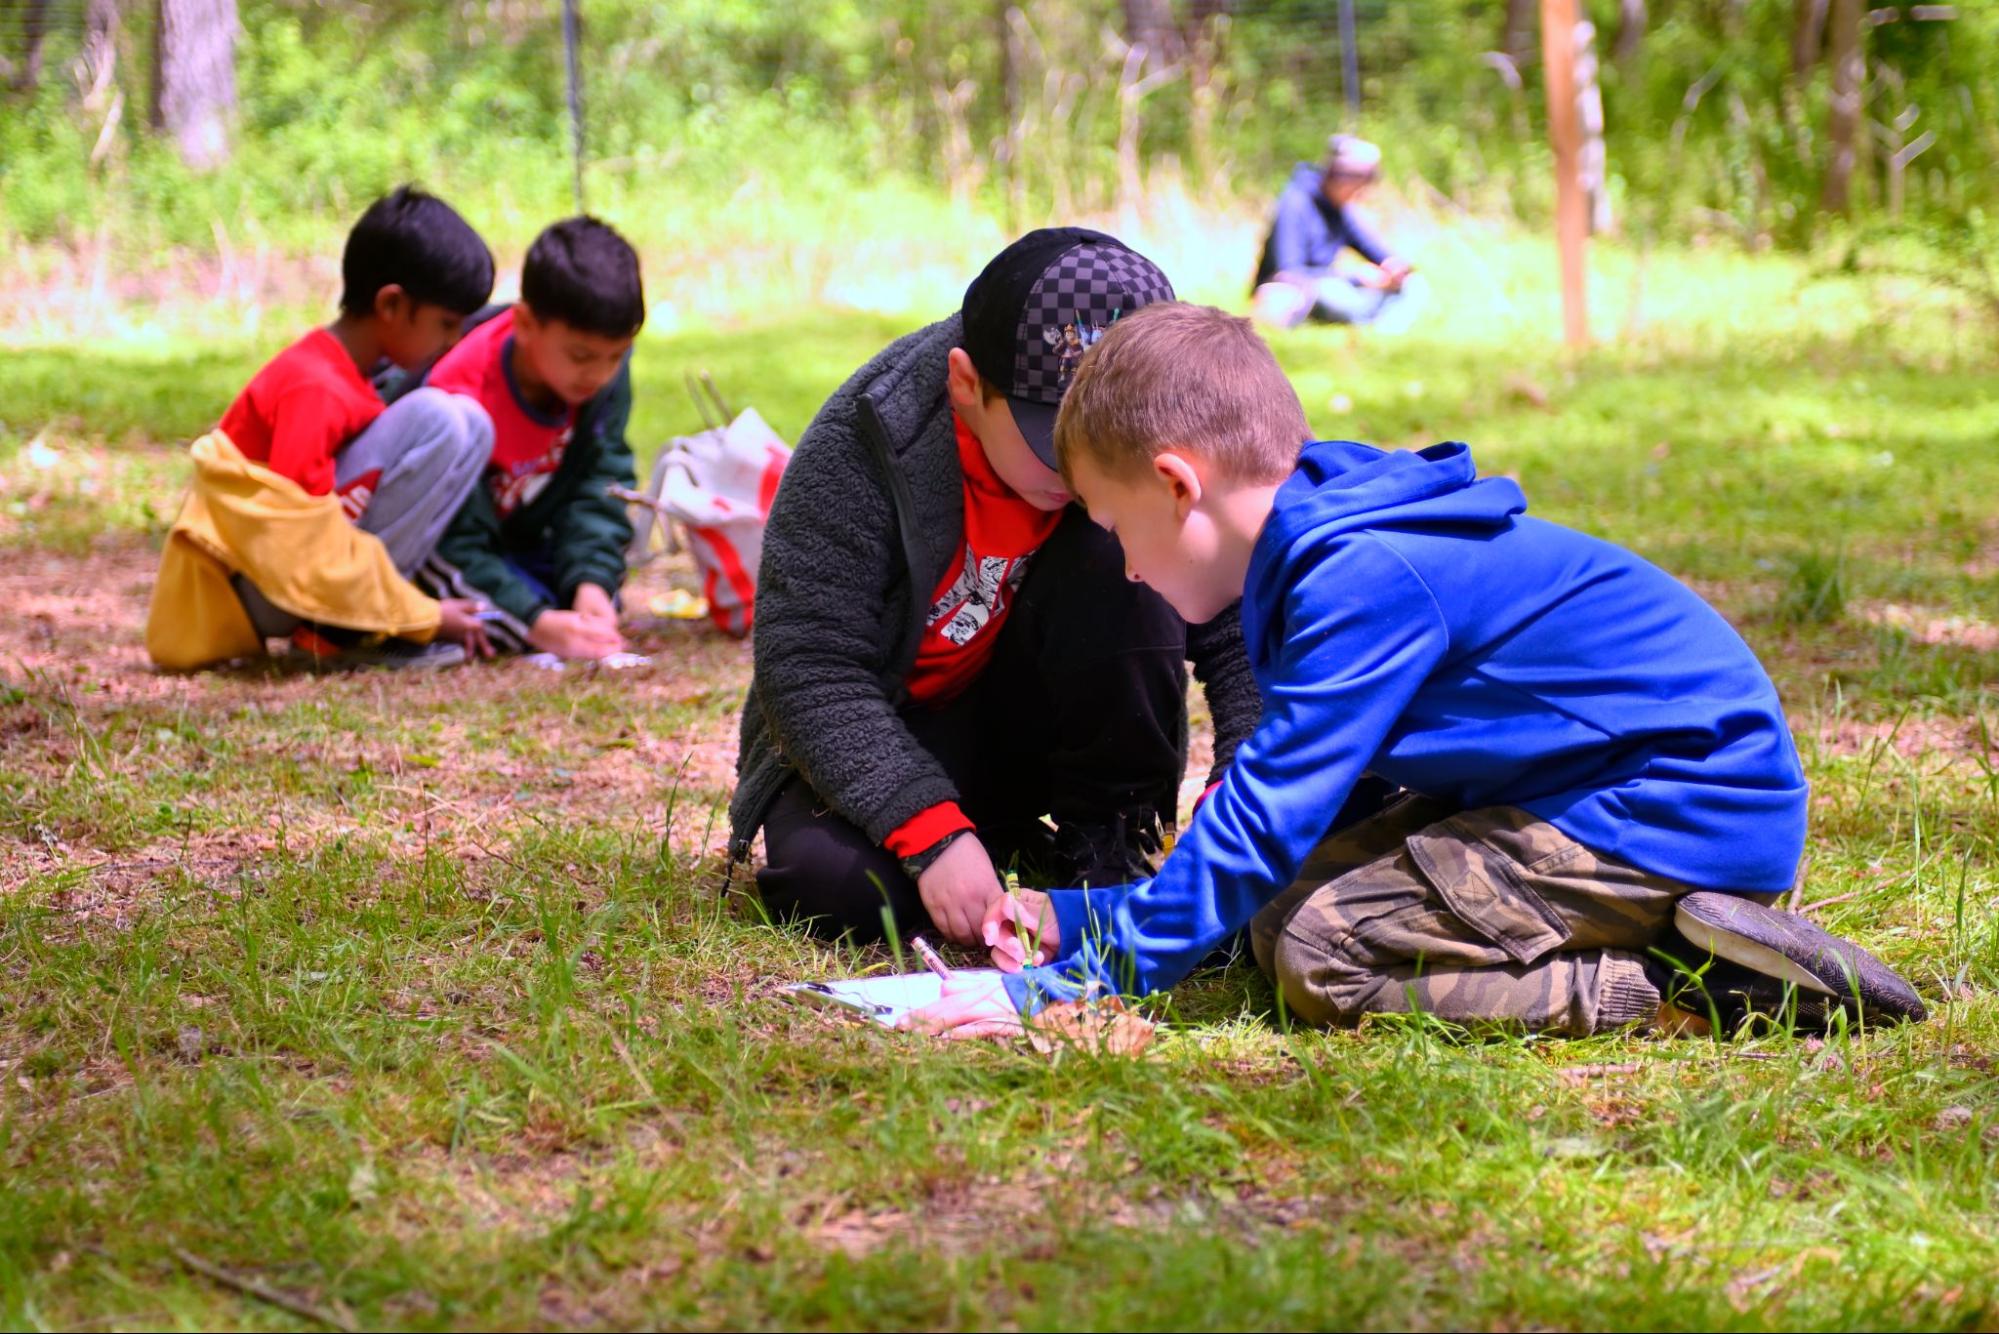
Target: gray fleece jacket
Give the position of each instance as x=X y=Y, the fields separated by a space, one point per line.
x=869 y=515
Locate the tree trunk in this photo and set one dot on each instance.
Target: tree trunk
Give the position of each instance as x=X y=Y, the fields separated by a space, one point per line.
x=1807 y=39
x=1517 y=41
x=194 y=77
x=34 y=32
x=1149 y=23
x=100 y=51
x=1016 y=179
x=1594 y=166
x=1202 y=40
x=1565 y=133
x=1630 y=32
x=1849 y=69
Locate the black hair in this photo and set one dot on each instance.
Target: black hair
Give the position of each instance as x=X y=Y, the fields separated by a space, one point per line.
x=581 y=272
x=419 y=243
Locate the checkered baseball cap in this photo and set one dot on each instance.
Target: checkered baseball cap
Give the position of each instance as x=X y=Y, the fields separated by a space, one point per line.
x=1042 y=303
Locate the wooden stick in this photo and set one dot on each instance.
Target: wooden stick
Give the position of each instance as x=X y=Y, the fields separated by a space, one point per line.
x=250 y=1287
x=1565 y=129
x=631 y=497
x=1811 y=908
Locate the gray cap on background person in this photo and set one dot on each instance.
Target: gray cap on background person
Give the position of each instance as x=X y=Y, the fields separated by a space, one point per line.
x=1352 y=158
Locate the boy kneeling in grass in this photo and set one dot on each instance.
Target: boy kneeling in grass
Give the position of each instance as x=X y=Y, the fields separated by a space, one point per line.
x=1597 y=776
x=540 y=537
x=312 y=503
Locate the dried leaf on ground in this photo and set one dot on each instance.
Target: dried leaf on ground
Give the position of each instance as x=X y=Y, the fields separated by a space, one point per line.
x=1105 y=1026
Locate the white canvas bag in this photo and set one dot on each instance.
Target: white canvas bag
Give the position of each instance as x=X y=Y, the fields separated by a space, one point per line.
x=717 y=486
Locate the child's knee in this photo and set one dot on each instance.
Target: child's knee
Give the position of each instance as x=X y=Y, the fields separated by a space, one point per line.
x=475 y=423
x=452 y=423
x=831 y=885
x=1317 y=981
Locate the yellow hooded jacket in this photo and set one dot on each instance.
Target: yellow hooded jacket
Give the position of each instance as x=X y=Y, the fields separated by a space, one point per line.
x=299 y=550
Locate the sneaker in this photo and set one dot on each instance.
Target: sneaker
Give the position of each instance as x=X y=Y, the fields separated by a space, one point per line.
x=1114 y=852
x=1749 y=958
x=317 y=649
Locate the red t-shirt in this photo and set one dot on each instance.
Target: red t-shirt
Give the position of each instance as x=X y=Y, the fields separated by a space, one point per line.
x=970 y=604
x=528 y=444
x=303 y=408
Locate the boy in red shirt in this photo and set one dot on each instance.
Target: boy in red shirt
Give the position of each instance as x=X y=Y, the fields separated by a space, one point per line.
x=541 y=538
x=412 y=272
x=948 y=654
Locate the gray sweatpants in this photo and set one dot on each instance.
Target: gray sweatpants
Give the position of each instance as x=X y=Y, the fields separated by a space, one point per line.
x=1332 y=299
x=407 y=474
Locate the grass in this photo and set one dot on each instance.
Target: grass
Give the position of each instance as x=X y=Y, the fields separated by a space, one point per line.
x=419 y=1002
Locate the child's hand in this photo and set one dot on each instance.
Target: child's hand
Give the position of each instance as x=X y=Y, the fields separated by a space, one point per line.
x=958 y=887
x=971 y=1007
x=458 y=618
x=1021 y=913
x=594 y=603
x=569 y=634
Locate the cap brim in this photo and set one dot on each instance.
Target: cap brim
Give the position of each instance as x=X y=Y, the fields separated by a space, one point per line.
x=1037 y=426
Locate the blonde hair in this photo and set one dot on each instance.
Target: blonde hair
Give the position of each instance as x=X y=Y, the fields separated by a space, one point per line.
x=1179 y=376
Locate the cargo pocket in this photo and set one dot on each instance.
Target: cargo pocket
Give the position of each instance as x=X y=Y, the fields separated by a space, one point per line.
x=1483 y=888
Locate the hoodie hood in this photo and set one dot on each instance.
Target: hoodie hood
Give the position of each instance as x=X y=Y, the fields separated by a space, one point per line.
x=1308 y=176
x=1341 y=486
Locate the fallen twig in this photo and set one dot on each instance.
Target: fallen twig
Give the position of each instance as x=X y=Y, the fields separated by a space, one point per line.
x=250 y=1287
x=1811 y=908
x=631 y=497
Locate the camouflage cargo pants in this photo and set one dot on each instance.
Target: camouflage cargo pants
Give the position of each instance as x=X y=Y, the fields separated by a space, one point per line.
x=1479 y=917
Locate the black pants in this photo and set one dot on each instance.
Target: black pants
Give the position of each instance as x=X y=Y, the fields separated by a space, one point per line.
x=1080 y=717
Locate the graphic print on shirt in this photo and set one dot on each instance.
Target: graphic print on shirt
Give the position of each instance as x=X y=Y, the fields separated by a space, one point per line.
x=520 y=482
x=356 y=492
x=977 y=595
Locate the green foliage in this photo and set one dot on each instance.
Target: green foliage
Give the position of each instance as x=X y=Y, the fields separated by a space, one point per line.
x=1707 y=126
x=1953 y=252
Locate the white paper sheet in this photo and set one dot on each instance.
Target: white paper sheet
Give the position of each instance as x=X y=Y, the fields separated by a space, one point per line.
x=882 y=999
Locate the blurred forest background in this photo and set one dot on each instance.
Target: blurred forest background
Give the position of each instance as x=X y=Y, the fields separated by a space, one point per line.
x=793 y=147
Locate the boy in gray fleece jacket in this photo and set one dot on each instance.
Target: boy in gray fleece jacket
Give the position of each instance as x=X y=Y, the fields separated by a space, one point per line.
x=947 y=654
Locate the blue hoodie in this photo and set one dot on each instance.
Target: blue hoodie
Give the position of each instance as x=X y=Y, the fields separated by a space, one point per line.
x=1309 y=230
x=1404 y=617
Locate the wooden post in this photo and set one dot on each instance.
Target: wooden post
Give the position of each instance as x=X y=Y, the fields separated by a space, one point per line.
x=1558 y=64
x=1843 y=128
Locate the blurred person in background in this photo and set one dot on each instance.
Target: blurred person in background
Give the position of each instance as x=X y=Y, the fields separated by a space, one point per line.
x=1305 y=271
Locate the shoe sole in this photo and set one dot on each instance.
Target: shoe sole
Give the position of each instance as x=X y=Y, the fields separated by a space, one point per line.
x=1785 y=946
x=356 y=662
x=427 y=662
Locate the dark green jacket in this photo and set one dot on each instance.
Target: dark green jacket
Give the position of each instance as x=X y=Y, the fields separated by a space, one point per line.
x=573 y=520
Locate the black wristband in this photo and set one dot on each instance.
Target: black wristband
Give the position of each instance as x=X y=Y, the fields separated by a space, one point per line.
x=916 y=864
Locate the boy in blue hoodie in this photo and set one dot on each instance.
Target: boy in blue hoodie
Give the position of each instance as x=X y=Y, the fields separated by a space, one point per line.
x=1599 y=797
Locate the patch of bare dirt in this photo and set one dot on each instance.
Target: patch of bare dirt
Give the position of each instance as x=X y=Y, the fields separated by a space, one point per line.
x=108 y=888
x=512 y=1192
x=1912 y=738
x=960 y=1215
x=71 y=639
x=1929 y=627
